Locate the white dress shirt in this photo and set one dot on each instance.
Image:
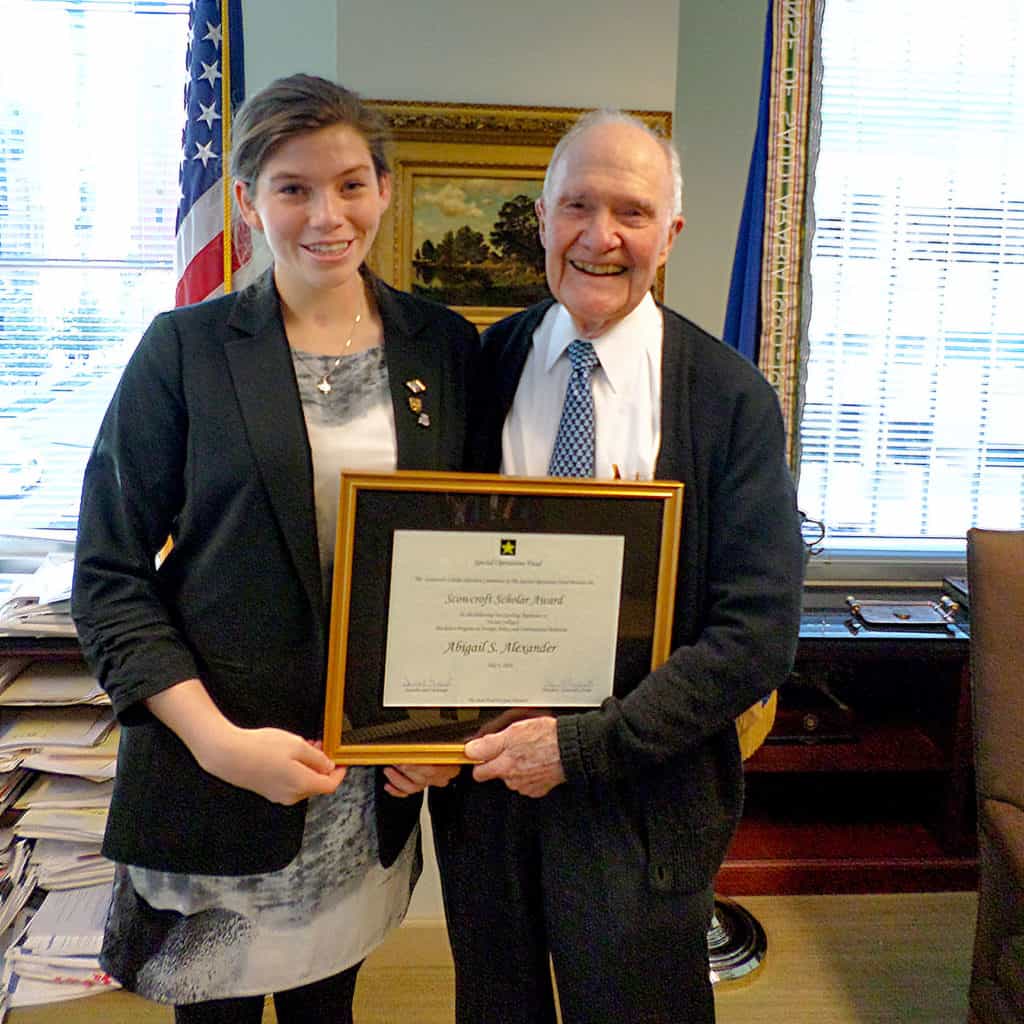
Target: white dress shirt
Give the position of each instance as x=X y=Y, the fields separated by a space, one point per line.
x=627 y=396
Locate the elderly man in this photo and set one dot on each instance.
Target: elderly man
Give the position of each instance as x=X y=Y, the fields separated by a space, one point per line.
x=595 y=836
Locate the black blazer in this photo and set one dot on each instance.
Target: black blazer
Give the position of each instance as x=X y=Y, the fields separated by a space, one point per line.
x=667 y=743
x=204 y=440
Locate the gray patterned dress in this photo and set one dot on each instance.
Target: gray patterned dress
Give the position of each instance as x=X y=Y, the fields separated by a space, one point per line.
x=178 y=938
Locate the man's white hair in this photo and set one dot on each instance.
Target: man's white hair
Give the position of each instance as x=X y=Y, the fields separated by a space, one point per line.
x=608 y=115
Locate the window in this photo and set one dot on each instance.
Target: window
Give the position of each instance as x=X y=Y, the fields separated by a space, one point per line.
x=913 y=420
x=90 y=141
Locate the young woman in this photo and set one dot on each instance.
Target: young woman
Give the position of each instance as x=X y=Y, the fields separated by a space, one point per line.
x=248 y=862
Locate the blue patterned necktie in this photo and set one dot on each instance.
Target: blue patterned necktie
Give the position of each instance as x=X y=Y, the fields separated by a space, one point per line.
x=573 y=453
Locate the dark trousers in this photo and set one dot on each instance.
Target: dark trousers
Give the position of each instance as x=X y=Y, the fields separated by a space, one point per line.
x=567 y=875
x=323 y=1002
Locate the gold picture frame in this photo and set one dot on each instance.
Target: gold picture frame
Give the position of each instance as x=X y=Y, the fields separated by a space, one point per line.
x=361 y=724
x=472 y=170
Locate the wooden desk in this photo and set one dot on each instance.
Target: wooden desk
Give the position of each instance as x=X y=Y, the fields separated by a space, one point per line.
x=865 y=784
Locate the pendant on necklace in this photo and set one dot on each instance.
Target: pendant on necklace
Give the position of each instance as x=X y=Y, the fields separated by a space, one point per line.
x=324 y=387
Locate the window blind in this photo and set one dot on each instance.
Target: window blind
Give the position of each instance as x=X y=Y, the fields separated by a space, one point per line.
x=90 y=139
x=913 y=424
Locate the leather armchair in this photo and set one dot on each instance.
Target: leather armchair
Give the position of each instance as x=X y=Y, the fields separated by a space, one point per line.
x=995 y=565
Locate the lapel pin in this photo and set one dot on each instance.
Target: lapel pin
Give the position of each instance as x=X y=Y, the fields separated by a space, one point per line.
x=416 y=386
x=423 y=420
x=416 y=403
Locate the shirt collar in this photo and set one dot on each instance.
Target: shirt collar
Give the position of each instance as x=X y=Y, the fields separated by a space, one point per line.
x=618 y=348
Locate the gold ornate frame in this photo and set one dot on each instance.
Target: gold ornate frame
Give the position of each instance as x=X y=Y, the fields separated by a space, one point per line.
x=358 y=728
x=468 y=141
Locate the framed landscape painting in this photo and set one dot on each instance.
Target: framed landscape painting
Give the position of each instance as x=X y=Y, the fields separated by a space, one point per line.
x=462 y=229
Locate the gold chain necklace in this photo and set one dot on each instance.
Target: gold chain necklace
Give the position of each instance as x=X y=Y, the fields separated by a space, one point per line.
x=324 y=385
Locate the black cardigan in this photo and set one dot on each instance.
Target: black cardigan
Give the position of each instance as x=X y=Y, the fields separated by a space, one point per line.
x=670 y=742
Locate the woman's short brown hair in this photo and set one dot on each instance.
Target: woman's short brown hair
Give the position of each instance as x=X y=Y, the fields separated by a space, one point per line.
x=298 y=105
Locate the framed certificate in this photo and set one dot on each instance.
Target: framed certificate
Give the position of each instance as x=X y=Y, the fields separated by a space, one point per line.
x=463 y=601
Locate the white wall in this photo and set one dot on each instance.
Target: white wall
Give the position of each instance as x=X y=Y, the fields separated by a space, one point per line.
x=718 y=85
x=533 y=52
x=283 y=37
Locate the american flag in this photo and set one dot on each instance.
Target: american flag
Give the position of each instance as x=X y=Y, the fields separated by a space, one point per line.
x=215 y=73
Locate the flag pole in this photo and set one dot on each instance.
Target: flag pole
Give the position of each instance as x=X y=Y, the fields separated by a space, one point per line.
x=225 y=106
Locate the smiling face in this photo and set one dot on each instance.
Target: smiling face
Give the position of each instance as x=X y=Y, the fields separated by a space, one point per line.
x=318 y=202
x=606 y=223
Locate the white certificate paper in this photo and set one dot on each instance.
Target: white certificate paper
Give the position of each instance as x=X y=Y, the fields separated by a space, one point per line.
x=502 y=619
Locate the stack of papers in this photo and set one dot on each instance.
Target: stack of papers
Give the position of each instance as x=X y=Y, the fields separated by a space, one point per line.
x=61 y=792
x=41 y=603
x=58 y=756
x=84 y=824
x=65 y=815
x=11 y=669
x=13 y=933
x=49 y=684
x=59 y=864
x=56 y=956
x=13 y=785
x=97 y=763
x=17 y=881
x=17 y=884
x=64 y=808
x=6 y=839
x=51 y=730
